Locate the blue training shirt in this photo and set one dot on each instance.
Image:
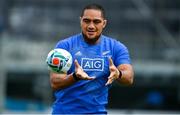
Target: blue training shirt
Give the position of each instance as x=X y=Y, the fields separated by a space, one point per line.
x=89 y=96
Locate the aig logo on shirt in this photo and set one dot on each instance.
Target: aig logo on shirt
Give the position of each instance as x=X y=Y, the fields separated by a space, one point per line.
x=95 y=64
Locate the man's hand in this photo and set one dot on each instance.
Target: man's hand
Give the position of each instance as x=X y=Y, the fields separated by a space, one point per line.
x=80 y=72
x=114 y=72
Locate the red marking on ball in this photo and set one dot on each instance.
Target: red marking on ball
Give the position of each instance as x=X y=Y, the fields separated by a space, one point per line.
x=55 y=61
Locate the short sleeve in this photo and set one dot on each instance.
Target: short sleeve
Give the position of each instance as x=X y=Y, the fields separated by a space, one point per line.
x=121 y=54
x=62 y=44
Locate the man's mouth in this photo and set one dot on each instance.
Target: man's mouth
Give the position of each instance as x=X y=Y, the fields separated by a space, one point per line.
x=91 y=32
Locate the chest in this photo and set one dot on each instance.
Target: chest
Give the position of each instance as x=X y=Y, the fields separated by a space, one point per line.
x=93 y=59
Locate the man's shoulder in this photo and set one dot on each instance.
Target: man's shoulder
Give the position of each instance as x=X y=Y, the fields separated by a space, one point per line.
x=109 y=39
x=72 y=38
x=113 y=41
x=69 y=41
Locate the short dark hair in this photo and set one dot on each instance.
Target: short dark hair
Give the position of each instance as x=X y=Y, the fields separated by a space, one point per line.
x=95 y=7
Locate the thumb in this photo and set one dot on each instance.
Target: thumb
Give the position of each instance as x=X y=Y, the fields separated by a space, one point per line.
x=76 y=63
x=110 y=62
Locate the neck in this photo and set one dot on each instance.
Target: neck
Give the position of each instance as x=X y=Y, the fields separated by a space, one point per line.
x=91 y=41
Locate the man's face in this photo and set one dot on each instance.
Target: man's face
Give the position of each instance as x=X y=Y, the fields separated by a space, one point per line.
x=92 y=24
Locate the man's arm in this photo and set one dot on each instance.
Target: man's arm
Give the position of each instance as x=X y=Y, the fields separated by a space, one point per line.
x=127 y=74
x=60 y=81
x=124 y=73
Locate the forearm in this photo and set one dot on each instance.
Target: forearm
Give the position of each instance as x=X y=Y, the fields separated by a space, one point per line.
x=126 y=78
x=60 y=81
x=127 y=74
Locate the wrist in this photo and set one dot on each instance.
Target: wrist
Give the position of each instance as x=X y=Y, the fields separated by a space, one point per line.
x=75 y=77
x=120 y=74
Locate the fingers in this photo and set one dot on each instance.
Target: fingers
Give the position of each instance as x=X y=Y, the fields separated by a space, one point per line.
x=110 y=80
x=113 y=72
x=110 y=62
x=89 y=78
x=76 y=63
x=80 y=73
x=86 y=77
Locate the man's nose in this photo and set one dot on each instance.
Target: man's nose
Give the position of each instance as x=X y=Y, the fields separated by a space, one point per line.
x=91 y=25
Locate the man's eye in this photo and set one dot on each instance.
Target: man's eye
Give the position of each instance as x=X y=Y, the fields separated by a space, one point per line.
x=97 y=21
x=86 y=21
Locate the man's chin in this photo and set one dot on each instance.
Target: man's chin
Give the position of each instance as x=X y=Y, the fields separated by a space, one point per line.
x=91 y=38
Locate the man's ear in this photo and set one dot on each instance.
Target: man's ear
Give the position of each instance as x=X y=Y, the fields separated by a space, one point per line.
x=105 y=22
x=80 y=18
